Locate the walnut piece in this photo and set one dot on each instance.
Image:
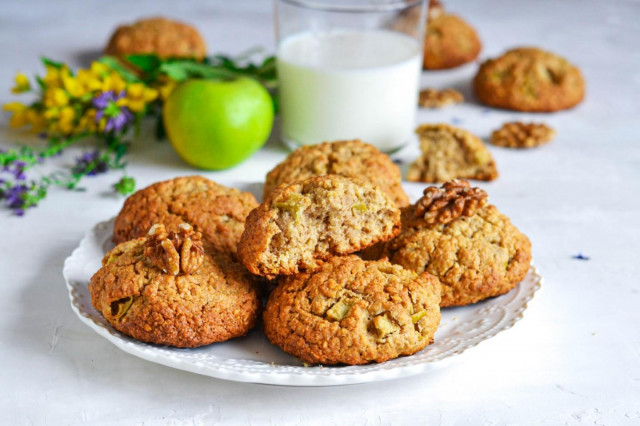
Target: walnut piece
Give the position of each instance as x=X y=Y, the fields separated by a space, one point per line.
x=517 y=134
x=454 y=199
x=434 y=98
x=175 y=252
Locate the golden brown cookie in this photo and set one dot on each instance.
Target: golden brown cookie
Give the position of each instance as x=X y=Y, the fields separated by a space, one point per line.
x=215 y=210
x=163 y=37
x=449 y=41
x=165 y=289
x=529 y=79
x=301 y=224
x=353 y=312
x=450 y=152
x=522 y=135
x=454 y=234
x=352 y=158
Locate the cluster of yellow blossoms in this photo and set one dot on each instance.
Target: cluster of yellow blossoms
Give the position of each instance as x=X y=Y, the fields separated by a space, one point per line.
x=67 y=106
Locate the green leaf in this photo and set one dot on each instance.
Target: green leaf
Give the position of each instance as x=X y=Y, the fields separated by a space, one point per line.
x=125 y=186
x=117 y=66
x=148 y=64
x=51 y=63
x=182 y=70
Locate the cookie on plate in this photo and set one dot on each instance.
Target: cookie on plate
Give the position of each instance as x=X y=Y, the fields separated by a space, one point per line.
x=450 y=152
x=166 y=289
x=353 y=311
x=453 y=233
x=214 y=210
x=449 y=40
x=352 y=158
x=529 y=79
x=161 y=36
x=301 y=224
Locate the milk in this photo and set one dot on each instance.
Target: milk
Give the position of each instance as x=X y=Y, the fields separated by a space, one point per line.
x=347 y=84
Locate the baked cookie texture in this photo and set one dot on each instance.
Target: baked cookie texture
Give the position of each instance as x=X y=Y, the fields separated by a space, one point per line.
x=166 y=289
x=218 y=212
x=351 y=158
x=450 y=152
x=353 y=311
x=164 y=37
x=449 y=40
x=453 y=233
x=301 y=224
x=529 y=79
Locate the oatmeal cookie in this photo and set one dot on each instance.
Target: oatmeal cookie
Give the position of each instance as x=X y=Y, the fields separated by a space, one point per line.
x=166 y=289
x=353 y=311
x=450 y=153
x=449 y=41
x=529 y=79
x=163 y=37
x=301 y=224
x=215 y=210
x=522 y=135
x=352 y=158
x=474 y=250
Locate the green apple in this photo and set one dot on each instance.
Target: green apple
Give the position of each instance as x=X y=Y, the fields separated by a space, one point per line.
x=216 y=124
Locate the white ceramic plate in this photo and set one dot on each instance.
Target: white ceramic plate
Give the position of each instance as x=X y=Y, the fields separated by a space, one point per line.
x=253 y=359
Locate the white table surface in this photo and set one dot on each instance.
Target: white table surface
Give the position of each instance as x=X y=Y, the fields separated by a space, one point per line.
x=573 y=359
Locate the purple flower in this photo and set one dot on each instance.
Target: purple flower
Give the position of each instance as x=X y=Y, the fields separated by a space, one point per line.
x=91 y=163
x=15 y=198
x=18 y=170
x=117 y=117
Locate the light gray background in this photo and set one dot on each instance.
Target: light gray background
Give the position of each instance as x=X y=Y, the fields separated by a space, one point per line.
x=573 y=359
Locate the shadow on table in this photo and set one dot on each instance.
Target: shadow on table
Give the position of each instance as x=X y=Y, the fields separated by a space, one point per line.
x=85 y=57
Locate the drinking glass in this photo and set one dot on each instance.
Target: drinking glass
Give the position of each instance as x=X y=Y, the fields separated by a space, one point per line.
x=349 y=69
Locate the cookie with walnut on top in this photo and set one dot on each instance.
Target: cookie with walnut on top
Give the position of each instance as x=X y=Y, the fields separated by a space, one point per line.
x=165 y=288
x=453 y=233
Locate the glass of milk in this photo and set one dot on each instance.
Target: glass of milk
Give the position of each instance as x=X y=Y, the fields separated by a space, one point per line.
x=349 y=69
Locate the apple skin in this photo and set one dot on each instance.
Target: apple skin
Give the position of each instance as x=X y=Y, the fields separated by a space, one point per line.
x=215 y=124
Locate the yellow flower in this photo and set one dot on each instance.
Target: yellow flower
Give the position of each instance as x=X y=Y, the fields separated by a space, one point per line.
x=87 y=122
x=99 y=70
x=19 y=116
x=55 y=97
x=89 y=80
x=37 y=120
x=73 y=86
x=53 y=77
x=51 y=113
x=65 y=120
x=113 y=82
x=22 y=84
x=138 y=96
x=166 y=88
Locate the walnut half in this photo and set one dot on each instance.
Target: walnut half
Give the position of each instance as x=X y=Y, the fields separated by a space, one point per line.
x=434 y=98
x=175 y=252
x=453 y=199
x=522 y=135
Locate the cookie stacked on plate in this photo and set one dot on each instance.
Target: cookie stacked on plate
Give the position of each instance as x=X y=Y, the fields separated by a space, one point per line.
x=173 y=278
x=357 y=274
x=330 y=307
